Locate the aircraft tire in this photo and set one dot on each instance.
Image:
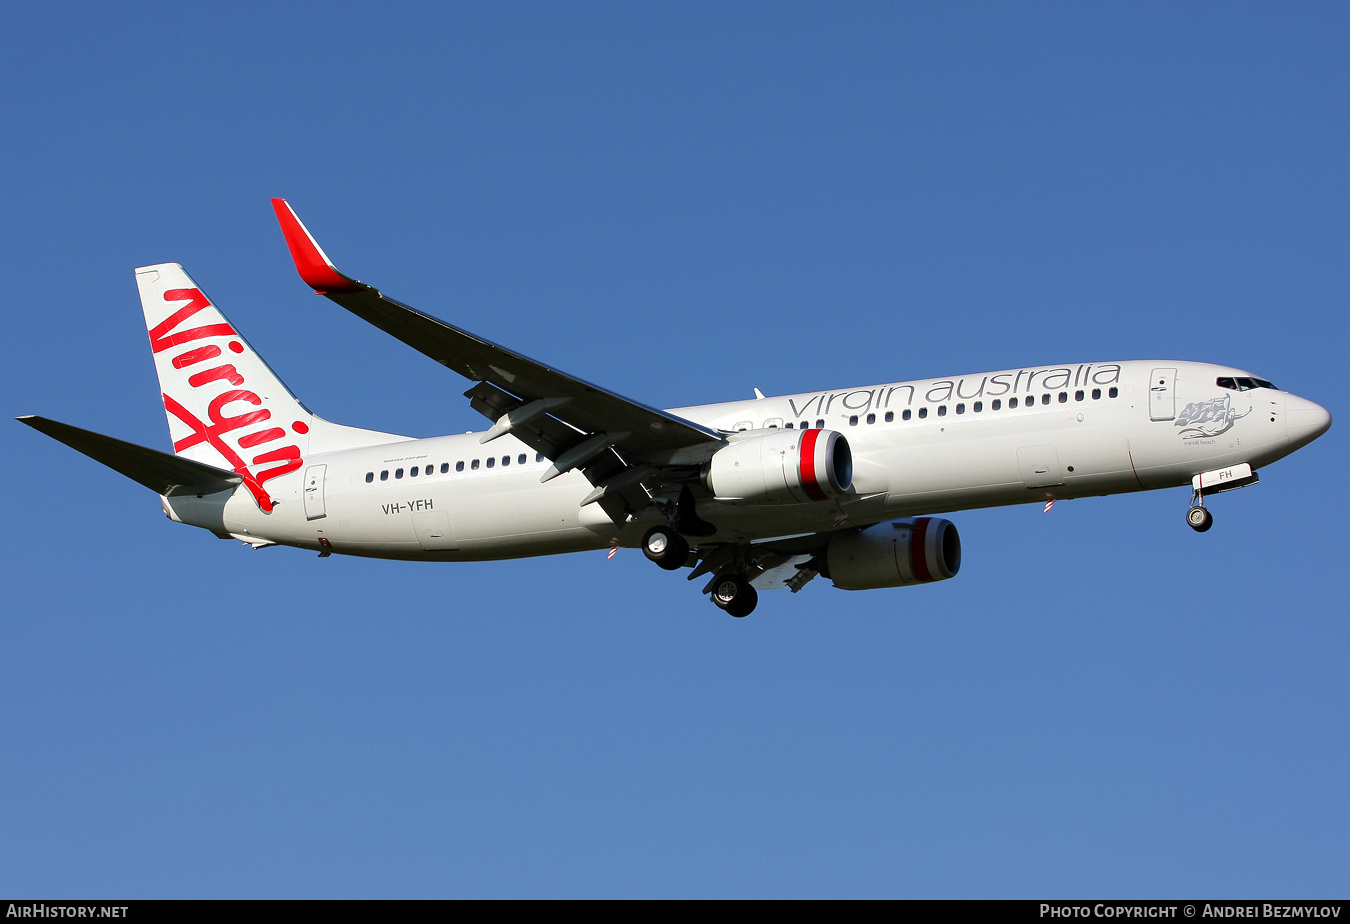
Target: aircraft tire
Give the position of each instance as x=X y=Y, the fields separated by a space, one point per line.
x=734 y=594
x=665 y=547
x=744 y=604
x=1199 y=519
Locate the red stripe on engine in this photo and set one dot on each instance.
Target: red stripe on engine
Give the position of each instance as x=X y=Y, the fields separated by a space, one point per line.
x=918 y=550
x=806 y=469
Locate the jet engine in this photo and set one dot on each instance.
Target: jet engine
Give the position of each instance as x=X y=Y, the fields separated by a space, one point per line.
x=782 y=467
x=915 y=550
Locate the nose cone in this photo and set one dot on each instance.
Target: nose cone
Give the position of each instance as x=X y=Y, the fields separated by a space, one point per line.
x=1305 y=420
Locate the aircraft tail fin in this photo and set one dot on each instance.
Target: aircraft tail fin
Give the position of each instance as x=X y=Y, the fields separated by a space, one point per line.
x=158 y=471
x=226 y=408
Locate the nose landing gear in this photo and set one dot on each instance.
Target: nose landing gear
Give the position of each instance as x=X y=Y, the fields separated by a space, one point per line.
x=1215 y=482
x=1198 y=518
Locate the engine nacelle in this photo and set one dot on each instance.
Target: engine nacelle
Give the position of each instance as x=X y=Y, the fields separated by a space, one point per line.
x=782 y=467
x=915 y=550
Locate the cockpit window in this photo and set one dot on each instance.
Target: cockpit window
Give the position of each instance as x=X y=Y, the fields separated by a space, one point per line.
x=1243 y=384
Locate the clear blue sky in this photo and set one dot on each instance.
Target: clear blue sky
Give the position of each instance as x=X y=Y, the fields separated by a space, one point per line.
x=679 y=201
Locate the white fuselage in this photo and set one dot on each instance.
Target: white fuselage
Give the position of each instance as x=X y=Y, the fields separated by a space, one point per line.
x=918 y=447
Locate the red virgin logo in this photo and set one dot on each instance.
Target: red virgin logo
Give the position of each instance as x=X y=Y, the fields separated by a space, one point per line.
x=220 y=428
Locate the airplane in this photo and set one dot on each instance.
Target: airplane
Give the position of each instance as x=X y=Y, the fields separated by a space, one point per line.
x=763 y=493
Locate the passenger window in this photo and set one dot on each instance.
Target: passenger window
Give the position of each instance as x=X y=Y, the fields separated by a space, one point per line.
x=820 y=423
x=806 y=425
x=459 y=466
x=492 y=460
x=923 y=412
x=788 y=425
x=1096 y=394
x=942 y=410
x=506 y=460
x=1113 y=393
x=1063 y=397
x=960 y=409
x=398 y=473
x=997 y=404
x=890 y=417
x=1078 y=395
x=370 y=476
x=445 y=468
x=539 y=457
x=520 y=460
x=906 y=414
x=1012 y=402
x=979 y=406
x=384 y=475
x=414 y=472
x=1045 y=399
x=474 y=465
x=871 y=418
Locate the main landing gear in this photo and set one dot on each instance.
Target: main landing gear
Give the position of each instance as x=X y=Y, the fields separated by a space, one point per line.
x=666 y=547
x=669 y=550
x=735 y=594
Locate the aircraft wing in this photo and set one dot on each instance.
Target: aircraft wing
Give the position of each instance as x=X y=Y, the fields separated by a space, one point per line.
x=160 y=472
x=527 y=398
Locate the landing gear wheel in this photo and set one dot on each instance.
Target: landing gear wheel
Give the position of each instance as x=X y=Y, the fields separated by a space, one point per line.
x=735 y=595
x=745 y=604
x=665 y=547
x=1199 y=519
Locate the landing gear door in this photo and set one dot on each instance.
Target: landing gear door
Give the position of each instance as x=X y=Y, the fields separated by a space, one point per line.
x=314 y=506
x=1162 y=395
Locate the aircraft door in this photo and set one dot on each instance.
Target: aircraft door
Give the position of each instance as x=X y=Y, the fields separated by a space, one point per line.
x=314 y=478
x=1162 y=395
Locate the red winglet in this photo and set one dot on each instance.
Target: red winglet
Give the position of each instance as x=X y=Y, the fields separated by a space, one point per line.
x=311 y=262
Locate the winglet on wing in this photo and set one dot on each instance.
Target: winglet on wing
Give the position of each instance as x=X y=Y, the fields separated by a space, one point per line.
x=313 y=264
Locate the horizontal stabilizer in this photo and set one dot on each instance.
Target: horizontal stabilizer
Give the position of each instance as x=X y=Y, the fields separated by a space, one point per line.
x=160 y=472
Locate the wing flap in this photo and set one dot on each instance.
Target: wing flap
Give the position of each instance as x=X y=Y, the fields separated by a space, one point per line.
x=160 y=472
